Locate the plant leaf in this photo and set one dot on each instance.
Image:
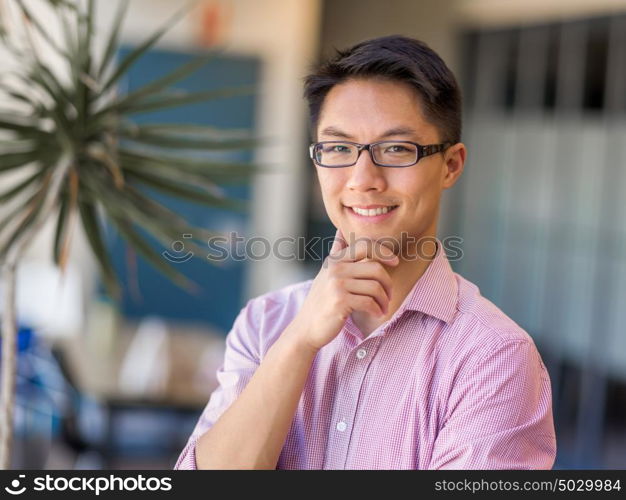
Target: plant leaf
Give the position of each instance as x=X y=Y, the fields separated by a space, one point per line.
x=128 y=61
x=167 y=100
x=130 y=205
x=165 y=140
x=29 y=214
x=188 y=193
x=174 y=175
x=113 y=39
x=63 y=232
x=204 y=131
x=18 y=145
x=23 y=123
x=9 y=161
x=175 y=99
x=15 y=212
x=89 y=27
x=70 y=42
x=102 y=155
x=10 y=193
x=82 y=70
x=213 y=170
x=57 y=112
x=94 y=236
x=63 y=3
x=16 y=94
x=40 y=29
x=60 y=233
x=51 y=84
x=169 y=79
x=152 y=257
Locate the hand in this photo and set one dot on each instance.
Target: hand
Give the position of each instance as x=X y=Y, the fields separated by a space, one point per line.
x=351 y=279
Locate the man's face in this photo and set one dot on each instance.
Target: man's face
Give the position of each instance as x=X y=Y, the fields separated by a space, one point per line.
x=365 y=111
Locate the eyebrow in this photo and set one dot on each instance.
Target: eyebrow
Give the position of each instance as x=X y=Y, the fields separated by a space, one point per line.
x=335 y=132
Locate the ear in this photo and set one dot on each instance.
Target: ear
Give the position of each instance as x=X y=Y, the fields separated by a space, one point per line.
x=454 y=162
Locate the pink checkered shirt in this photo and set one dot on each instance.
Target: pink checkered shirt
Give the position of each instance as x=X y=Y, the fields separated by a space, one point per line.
x=449 y=382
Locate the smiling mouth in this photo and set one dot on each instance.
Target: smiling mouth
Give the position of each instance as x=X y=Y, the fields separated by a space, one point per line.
x=373 y=212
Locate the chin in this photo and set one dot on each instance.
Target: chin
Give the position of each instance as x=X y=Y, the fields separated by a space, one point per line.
x=372 y=233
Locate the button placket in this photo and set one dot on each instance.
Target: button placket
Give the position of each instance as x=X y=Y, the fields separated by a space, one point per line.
x=345 y=407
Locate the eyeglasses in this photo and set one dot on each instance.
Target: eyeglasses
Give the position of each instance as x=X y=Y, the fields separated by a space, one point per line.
x=337 y=154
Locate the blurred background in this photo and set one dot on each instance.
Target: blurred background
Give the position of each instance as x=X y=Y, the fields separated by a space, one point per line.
x=540 y=208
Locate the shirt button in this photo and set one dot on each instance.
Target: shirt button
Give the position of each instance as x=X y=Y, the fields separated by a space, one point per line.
x=341 y=426
x=361 y=353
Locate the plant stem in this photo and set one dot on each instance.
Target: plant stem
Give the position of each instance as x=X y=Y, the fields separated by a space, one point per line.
x=9 y=324
x=9 y=341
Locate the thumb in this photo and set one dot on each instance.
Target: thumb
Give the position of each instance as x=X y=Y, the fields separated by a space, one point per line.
x=339 y=242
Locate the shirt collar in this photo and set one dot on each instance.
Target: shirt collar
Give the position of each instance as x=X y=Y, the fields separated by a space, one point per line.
x=436 y=292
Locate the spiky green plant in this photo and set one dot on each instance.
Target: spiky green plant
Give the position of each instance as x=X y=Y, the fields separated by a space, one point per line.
x=85 y=161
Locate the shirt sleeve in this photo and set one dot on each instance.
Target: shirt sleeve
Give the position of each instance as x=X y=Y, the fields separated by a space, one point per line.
x=241 y=359
x=499 y=414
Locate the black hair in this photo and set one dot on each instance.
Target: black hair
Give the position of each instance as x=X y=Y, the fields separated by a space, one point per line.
x=396 y=58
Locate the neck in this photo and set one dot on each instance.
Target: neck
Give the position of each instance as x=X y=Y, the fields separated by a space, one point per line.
x=412 y=266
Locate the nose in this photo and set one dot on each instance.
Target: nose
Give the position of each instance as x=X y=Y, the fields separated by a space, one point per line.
x=366 y=175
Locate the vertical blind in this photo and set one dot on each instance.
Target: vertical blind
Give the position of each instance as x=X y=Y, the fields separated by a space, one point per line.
x=543 y=194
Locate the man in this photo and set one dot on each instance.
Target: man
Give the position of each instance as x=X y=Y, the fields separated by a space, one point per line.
x=387 y=359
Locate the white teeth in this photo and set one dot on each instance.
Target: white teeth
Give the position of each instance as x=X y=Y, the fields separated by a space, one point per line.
x=371 y=212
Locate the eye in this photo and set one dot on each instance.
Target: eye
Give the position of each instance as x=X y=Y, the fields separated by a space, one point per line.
x=339 y=148
x=396 y=148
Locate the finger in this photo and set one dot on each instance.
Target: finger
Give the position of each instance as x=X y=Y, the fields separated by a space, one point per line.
x=371 y=288
x=339 y=243
x=366 y=304
x=370 y=269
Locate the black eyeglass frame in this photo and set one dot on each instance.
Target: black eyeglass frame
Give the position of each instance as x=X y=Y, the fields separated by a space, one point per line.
x=422 y=152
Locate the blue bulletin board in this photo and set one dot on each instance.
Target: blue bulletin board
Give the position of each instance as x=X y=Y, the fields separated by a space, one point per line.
x=145 y=290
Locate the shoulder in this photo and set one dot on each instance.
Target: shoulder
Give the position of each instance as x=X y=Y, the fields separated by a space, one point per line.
x=289 y=297
x=272 y=311
x=484 y=329
x=293 y=292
